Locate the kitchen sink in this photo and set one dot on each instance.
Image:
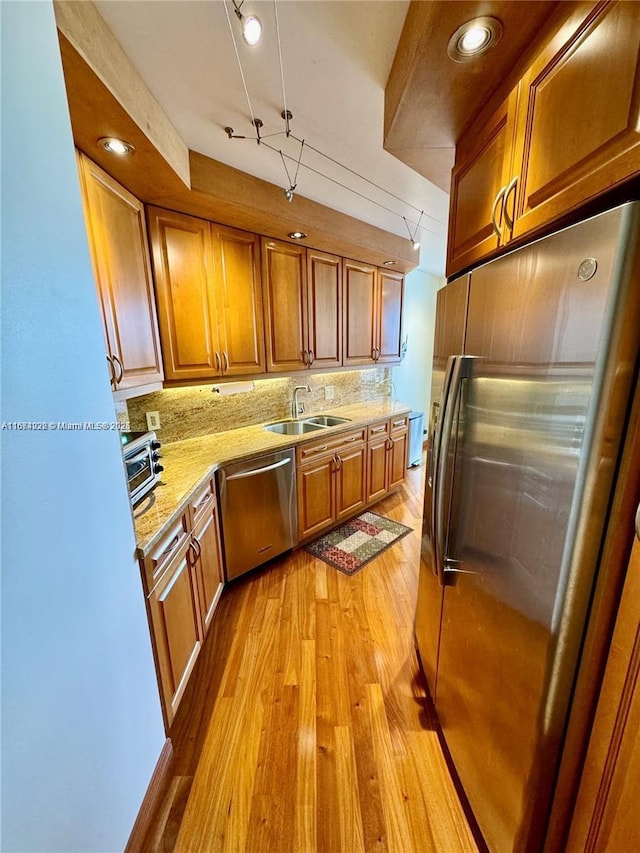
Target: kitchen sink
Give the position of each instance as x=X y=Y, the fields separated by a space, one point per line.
x=327 y=420
x=292 y=427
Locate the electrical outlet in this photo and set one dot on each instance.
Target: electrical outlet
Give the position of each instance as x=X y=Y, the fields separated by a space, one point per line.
x=328 y=392
x=153 y=420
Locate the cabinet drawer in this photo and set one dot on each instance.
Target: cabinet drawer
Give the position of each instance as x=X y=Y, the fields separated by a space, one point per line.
x=399 y=423
x=378 y=430
x=329 y=445
x=166 y=550
x=202 y=502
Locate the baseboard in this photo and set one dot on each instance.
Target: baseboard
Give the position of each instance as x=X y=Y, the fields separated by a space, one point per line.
x=152 y=799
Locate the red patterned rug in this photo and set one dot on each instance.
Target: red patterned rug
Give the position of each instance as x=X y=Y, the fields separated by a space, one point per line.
x=354 y=544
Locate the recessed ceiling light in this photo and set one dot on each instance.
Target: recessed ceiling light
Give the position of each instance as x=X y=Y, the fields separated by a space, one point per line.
x=474 y=38
x=116 y=146
x=297 y=235
x=389 y=263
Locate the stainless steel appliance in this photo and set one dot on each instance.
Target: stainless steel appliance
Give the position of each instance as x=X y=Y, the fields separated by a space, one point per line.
x=535 y=365
x=141 y=452
x=259 y=510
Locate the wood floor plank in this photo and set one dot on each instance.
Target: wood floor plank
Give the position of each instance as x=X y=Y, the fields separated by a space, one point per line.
x=307 y=729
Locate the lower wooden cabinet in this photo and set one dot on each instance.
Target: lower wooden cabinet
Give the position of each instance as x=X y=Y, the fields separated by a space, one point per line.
x=342 y=475
x=386 y=456
x=176 y=626
x=184 y=578
x=205 y=540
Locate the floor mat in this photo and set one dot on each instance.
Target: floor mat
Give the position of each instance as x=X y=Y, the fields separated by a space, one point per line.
x=355 y=543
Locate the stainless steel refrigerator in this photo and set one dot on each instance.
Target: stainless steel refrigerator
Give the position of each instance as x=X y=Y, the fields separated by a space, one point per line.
x=535 y=367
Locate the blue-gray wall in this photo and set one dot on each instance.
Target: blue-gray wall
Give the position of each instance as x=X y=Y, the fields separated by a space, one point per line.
x=81 y=723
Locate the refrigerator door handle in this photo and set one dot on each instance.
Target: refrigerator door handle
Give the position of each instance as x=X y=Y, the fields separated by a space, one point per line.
x=461 y=370
x=435 y=457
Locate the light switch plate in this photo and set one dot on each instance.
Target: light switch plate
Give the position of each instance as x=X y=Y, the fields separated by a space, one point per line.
x=153 y=420
x=328 y=392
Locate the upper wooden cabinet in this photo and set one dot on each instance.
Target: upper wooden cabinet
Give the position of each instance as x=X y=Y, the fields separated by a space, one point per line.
x=579 y=124
x=209 y=297
x=479 y=182
x=303 y=307
x=569 y=131
x=120 y=256
x=389 y=300
x=324 y=306
x=372 y=314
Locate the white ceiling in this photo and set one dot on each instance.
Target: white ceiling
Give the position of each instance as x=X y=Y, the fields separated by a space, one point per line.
x=336 y=58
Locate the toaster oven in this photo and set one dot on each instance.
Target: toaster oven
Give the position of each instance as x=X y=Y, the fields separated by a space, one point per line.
x=141 y=452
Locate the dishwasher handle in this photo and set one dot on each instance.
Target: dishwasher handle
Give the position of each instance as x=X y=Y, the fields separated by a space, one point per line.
x=255 y=471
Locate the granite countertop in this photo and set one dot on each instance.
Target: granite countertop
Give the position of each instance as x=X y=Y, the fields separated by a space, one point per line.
x=190 y=463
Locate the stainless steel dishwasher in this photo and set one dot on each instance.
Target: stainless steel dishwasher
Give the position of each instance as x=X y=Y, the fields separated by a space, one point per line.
x=259 y=510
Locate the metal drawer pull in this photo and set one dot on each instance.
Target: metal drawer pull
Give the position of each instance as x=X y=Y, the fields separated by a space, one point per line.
x=399 y=423
x=226 y=360
x=258 y=470
x=379 y=429
x=218 y=362
x=203 y=500
x=196 y=543
x=312 y=358
x=494 y=207
x=112 y=371
x=347 y=440
x=305 y=356
x=318 y=449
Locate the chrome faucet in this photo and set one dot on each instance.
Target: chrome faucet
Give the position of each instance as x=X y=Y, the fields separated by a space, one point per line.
x=297 y=408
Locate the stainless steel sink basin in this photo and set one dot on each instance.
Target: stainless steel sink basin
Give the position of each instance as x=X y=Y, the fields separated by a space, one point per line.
x=327 y=420
x=292 y=427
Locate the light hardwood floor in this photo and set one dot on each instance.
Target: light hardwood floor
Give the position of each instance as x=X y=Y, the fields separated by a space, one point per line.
x=305 y=727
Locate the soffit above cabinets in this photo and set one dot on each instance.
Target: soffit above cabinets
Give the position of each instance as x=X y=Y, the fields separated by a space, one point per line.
x=430 y=99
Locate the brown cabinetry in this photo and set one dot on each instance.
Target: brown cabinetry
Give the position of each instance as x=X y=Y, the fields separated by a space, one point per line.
x=183 y=578
x=606 y=813
x=372 y=314
x=303 y=307
x=209 y=297
x=386 y=456
x=118 y=243
x=568 y=132
x=176 y=627
x=331 y=481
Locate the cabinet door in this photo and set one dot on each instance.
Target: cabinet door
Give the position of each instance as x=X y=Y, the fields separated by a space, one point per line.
x=390 y=290
x=482 y=171
x=209 y=564
x=359 y=314
x=397 y=458
x=351 y=481
x=238 y=300
x=183 y=267
x=118 y=243
x=579 y=118
x=324 y=298
x=284 y=277
x=605 y=819
x=377 y=469
x=316 y=496
x=174 y=609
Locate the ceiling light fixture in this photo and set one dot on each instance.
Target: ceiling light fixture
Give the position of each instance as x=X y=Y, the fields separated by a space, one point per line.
x=414 y=234
x=297 y=235
x=116 y=146
x=389 y=263
x=251 y=25
x=474 y=38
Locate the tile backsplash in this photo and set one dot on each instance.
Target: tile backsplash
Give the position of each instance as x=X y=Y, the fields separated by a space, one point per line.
x=197 y=410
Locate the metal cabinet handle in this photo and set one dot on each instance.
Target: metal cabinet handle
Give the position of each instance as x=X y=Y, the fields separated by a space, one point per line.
x=196 y=543
x=338 y=462
x=226 y=360
x=494 y=208
x=112 y=371
x=508 y=219
x=218 y=363
x=206 y=497
x=305 y=356
x=311 y=357
x=379 y=428
x=120 y=367
x=398 y=423
x=253 y=471
x=191 y=550
x=318 y=449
